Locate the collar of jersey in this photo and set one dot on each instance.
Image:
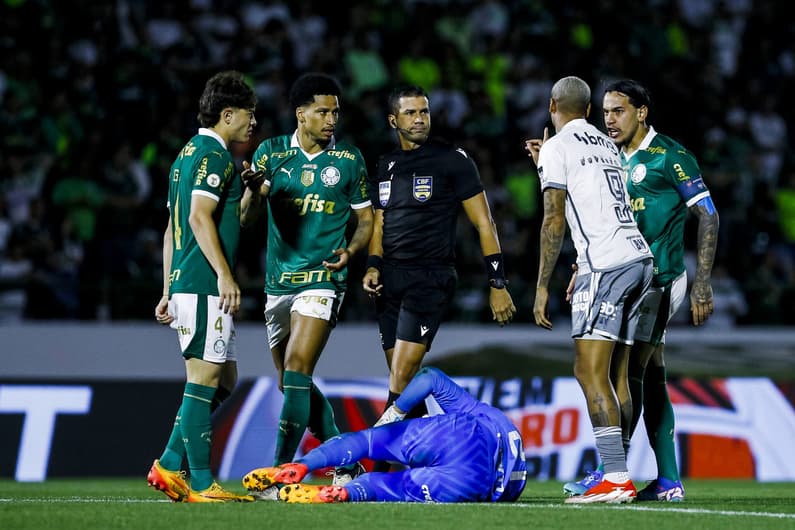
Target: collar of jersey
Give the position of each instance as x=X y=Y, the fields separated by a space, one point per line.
x=294 y=143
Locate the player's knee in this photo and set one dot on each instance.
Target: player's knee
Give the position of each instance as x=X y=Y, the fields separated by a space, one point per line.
x=299 y=366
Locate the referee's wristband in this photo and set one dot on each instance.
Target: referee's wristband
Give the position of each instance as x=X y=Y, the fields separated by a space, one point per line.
x=495 y=267
x=375 y=261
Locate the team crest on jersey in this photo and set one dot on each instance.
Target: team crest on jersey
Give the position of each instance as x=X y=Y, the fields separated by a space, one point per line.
x=422 y=188
x=307 y=177
x=219 y=346
x=638 y=173
x=384 y=191
x=330 y=176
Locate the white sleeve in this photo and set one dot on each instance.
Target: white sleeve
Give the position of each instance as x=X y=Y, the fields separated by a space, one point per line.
x=551 y=166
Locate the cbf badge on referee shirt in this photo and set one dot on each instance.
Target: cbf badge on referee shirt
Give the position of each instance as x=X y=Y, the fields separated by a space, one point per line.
x=384 y=190
x=422 y=188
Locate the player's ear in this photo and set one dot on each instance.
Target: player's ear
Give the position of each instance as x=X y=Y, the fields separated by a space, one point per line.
x=299 y=114
x=392 y=121
x=643 y=111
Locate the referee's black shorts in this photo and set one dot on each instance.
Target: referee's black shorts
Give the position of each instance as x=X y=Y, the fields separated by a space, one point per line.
x=413 y=302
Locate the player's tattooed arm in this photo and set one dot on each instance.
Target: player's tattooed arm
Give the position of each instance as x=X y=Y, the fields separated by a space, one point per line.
x=553 y=229
x=701 y=302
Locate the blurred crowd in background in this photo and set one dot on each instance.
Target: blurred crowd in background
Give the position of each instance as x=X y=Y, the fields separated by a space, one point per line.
x=97 y=97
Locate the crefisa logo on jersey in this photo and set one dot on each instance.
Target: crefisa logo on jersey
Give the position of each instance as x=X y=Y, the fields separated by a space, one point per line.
x=638 y=173
x=422 y=188
x=330 y=176
x=384 y=191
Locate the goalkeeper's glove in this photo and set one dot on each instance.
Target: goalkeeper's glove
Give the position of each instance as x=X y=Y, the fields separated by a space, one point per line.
x=390 y=415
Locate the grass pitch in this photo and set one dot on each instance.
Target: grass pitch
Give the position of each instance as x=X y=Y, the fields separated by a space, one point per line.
x=128 y=503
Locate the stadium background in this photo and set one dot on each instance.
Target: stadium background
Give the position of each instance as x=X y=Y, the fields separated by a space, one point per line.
x=97 y=97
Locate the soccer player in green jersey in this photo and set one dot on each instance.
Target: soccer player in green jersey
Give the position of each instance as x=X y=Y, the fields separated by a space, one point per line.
x=200 y=294
x=664 y=183
x=310 y=181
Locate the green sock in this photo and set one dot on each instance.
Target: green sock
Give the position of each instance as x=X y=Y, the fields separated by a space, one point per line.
x=197 y=433
x=294 y=416
x=321 y=416
x=174 y=453
x=659 y=418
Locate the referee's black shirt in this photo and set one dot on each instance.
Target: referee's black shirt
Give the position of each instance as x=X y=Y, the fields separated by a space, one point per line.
x=420 y=192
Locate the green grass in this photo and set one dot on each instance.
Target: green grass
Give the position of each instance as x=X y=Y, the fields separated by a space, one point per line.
x=128 y=503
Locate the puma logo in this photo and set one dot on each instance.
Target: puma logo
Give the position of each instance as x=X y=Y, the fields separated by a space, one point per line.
x=289 y=172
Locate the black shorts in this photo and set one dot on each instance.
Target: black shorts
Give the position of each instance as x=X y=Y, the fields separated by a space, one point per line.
x=413 y=303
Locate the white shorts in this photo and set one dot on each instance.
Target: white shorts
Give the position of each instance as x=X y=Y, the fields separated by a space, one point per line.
x=204 y=330
x=317 y=303
x=657 y=309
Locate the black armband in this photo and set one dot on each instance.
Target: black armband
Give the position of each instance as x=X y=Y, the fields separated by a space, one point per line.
x=495 y=268
x=375 y=261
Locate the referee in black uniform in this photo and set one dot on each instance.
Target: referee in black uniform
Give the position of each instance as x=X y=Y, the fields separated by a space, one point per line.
x=417 y=193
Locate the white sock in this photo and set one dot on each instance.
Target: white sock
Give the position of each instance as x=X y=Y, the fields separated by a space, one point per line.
x=618 y=477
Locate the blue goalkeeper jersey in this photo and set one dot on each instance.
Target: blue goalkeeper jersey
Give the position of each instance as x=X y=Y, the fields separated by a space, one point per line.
x=509 y=467
x=471 y=453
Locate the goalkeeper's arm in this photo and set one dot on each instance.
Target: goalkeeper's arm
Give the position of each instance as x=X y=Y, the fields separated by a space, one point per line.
x=433 y=382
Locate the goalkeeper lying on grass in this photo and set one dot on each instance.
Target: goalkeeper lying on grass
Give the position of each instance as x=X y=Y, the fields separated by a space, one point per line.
x=471 y=453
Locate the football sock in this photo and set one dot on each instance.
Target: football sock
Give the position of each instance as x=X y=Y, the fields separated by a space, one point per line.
x=611 y=451
x=380 y=466
x=659 y=419
x=385 y=487
x=321 y=416
x=221 y=395
x=174 y=453
x=197 y=433
x=294 y=416
x=346 y=450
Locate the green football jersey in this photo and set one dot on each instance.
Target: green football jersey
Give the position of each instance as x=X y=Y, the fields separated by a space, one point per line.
x=309 y=206
x=203 y=167
x=663 y=180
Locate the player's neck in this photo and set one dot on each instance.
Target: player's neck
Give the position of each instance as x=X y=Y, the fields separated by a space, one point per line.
x=308 y=143
x=225 y=134
x=637 y=139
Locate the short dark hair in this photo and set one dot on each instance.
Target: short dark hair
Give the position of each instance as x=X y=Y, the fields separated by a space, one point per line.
x=223 y=90
x=403 y=91
x=312 y=84
x=637 y=94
